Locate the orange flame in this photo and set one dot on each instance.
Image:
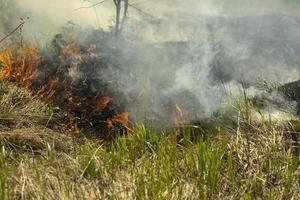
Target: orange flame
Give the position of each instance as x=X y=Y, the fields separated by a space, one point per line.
x=176 y=120
x=24 y=68
x=102 y=103
x=179 y=116
x=119 y=119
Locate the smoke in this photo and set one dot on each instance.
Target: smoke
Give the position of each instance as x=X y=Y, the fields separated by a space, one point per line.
x=225 y=45
x=193 y=54
x=6 y=14
x=46 y=18
x=212 y=48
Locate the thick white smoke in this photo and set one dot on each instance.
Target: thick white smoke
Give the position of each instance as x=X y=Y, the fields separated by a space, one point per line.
x=190 y=52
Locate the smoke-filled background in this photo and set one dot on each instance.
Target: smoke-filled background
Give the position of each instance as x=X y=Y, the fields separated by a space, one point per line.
x=193 y=54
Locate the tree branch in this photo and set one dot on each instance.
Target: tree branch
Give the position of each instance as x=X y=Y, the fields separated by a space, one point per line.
x=116 y=2
x=126 y=4
x=12 y=32
x=91 y=6
x=141 y=11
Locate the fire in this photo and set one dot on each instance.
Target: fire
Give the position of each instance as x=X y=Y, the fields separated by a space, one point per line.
x=53 y=83
x=64 y=81
x=47 y=91
x=84 y=108
x=176 y=121
x=178 y=109
x=180 y=116
x=71 y=51
x=22 y=69
x=120 y=119
x=6 y=62
x=102 y=103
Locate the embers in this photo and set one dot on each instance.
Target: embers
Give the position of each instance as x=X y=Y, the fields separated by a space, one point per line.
x=66 y=82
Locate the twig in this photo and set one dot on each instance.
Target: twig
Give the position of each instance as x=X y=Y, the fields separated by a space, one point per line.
x=50 y=118
x=91 y=6
x=124 y=14
x=115 y=2
x=141 y=11
x=12 y=32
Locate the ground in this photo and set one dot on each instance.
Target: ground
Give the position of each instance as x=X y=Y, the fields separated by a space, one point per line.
x=236 y=158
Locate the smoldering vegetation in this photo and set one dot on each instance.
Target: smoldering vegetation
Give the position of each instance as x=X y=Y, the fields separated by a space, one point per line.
x=209 y=80
x=182 y=59
x=200 y=74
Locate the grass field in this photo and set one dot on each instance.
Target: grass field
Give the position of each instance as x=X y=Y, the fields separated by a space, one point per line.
x=236 y=158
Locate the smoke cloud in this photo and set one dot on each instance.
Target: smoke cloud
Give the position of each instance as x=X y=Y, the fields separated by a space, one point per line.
x=209 y=48
x=187 y=53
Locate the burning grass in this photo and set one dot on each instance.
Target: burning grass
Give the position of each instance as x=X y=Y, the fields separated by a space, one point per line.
x=243 y=155
x=237 y=160
x=66 y=81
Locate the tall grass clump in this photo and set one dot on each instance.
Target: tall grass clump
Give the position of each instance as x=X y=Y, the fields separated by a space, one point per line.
x=243 y=155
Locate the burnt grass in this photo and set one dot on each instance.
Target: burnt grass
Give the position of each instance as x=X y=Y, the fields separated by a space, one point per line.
x=241 y=154
x=235 y=158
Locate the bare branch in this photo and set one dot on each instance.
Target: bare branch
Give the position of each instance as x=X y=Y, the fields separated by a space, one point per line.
x=12 y=32
x=141 y=11
x=118 y=12
x=126 y=4
x=116 y=2
x=91 y=6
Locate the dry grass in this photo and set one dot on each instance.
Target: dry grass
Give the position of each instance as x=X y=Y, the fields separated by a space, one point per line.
x=18 y=108
x=241 y=159
x=35 y=139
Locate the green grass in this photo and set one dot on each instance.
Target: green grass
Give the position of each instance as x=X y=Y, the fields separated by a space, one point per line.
x=144 y=165
x=237 y=158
